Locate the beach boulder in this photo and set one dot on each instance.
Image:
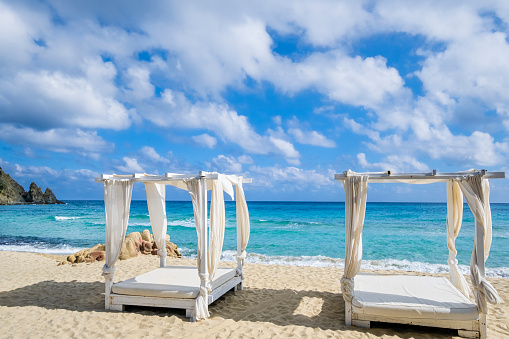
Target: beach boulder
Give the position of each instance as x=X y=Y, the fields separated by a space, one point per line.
x=171 y=249
x=146 y=236
x=129 y=249
x=134 y=244
x=96 y=253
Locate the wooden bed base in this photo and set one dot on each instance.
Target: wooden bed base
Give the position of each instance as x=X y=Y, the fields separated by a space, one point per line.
x=466 y=328
x=117 y=302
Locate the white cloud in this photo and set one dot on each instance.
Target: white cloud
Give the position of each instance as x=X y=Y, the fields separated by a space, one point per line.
x=205 y=140
x=291 y=178
x=52 y=99
x=245 y=159
x=394 y=163
x=130 y=166
x=355 y=81
x=37 y=171
x=57 y=140
x=175 y=111
x=139 y=85
x=286 y=149
x=226 y=164
x=151 y=154
x=311 y=138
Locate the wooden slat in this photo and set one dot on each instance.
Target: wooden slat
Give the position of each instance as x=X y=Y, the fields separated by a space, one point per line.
x=434 y=176
x=120 y=299
x=167 y=178
x=470 y=325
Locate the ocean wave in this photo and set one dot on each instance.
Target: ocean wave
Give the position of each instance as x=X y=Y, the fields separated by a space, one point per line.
x=61 y=249
x=383 y=265
x=59 y=218
x=189 y=222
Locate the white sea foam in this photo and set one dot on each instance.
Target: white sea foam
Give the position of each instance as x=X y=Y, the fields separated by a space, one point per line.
x=385 y=264
x=58 y=218
x=59 y=249
x=182 y=222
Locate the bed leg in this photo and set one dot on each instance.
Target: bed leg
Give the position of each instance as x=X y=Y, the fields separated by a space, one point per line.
x=119 y=308
x=190 y=314
x=361 y=323
x=348 y=313
x=483 y=331
x=238 y=287
x=468 y=334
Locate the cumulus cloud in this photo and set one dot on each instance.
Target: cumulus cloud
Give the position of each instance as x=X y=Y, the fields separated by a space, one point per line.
x=291 y=178
x=57 y=140
x=205 y=140
x=394 y=163
x=52 y=99
x=245 y=159
x=176 y=111
x=226 y=164
x=151 y=154
x=130 y=166
x=311 y=138
x=73 y=68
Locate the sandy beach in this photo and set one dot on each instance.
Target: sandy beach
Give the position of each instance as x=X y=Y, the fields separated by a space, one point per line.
x=39 y=299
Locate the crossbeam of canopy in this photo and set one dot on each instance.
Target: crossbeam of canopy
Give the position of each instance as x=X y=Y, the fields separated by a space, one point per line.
x=473 y=184
x=117 y=199
x=418 y=178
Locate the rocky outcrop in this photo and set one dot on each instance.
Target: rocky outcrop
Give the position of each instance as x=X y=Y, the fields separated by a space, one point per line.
x=49 y=197
x=134 y=244
x=12 y=193
x=34 y=194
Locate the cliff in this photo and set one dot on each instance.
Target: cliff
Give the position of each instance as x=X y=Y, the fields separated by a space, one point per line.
x=12 y=193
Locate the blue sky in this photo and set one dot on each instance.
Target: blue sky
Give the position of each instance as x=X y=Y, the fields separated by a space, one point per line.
x=286 y=92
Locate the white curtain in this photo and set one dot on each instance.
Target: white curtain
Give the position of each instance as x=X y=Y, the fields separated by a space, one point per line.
x=156 y=201
x=117 y=204
x=195 y=188
x=355 y=207
x=476 y=191
x=217 y=225
x=243 y=225
x=454 y=219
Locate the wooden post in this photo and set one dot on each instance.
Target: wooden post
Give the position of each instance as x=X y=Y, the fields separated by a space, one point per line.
x=162 y=261
x=348 y=313
x=108 y=282
x=239 y=239
x=479 y=249
x=204 y=239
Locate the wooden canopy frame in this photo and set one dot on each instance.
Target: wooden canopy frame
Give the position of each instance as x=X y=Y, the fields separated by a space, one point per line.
x=356 y=191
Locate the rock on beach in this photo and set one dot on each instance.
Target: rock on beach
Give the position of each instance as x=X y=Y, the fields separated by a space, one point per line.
x=134 y=244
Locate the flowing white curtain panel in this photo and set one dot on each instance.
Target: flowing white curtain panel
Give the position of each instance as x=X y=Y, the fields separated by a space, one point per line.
x=194 y=186
x=217 y=226
x=117 y=203
x=454 y=220
x=476 y=191
x=156 y=201
x=243 y=224
x=355 y=209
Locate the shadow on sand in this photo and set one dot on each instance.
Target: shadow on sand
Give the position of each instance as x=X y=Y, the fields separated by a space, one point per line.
x=315 y=309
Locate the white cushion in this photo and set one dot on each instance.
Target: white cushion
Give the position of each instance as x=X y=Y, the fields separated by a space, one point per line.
x=170 y=282
x=416 y=297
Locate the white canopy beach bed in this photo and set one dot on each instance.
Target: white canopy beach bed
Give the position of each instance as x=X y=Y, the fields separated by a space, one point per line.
x=189 y=288
x=418 y=300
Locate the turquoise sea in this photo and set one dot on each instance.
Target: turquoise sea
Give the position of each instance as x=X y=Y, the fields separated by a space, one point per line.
x=405 y=236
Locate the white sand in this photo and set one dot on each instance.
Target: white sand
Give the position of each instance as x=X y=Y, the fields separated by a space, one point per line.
x=39 y=299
